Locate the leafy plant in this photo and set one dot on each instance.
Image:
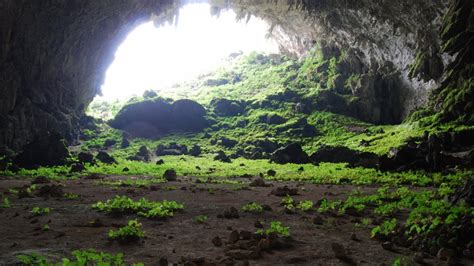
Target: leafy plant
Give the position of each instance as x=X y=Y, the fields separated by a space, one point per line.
x=5 y=203
x=385 y=229
x=40 y=211
x=131 y=232
x=306 y=205
x=252 y=207
x=277 y=228
x=142 y=207
x=288 y=202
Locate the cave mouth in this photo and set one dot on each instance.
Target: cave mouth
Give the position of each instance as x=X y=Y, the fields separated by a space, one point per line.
x=199 y=40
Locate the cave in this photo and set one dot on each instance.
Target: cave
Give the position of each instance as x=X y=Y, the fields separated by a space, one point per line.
x=359 y=136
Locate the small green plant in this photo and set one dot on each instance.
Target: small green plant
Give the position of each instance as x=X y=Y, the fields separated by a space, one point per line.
x=45 y=227
x=5 y=203
x=306 y=205
x=71 y=196
x=200 y=219
x=142 y=207
x=401 y=261
x=131 y=232
x=277 y=228
x=33 y=260
x=385 y=229
x=38 y=211
x=252 y=207
x=288 y=203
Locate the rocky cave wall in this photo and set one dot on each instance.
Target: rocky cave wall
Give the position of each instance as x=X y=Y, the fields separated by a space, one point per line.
x=54 y=53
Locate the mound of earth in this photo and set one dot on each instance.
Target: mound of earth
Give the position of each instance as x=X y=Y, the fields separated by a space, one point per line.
x=153 y=117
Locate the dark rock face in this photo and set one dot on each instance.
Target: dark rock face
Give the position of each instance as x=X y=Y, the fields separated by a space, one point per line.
x=171 y=149
x=50 y=68
x=225 y=107
x=48 y=150
x=292 y=153
x=105 y=158
x=150 y=118
x=344 y=155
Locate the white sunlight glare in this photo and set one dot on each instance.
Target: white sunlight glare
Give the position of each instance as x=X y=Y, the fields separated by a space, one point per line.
x=156 y=58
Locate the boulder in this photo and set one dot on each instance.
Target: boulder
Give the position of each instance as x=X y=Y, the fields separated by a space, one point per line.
x=292 y=153
x=170 y=175
x=272 y=119
x=171 y=149
x=195 y=150
x=225 y=107
x=188 y=116
x=226 y=142
x=156 y=116
x=340 y=154
x=85 y=157
x=104 y=157
x=125 y=143
x=299 y=128
x=47 y=150
x=221 y=156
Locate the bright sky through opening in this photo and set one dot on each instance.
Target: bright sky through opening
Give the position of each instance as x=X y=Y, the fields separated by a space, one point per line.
x=156 y=58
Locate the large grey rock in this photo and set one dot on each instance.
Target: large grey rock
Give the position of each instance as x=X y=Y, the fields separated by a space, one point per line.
x=153 y=117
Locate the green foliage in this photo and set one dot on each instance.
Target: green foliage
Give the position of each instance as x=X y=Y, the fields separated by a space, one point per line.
x=80 y=258
x=288 y=202
x=401 y=261
x=142 y=207
x=132 y=231
x=305 y=206
x=40 y=211
x=276 y=228
x=385 y=229
x=325 y=206
x=5 y=203
x=200 y=219
x=252 y=207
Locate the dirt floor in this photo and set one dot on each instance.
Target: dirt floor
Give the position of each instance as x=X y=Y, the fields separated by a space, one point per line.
x=180 y=238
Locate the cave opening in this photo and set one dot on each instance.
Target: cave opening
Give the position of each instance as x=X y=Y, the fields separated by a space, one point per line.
x=199 y=40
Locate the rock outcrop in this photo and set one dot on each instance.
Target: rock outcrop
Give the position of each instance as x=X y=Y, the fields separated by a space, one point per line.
x=153 y=117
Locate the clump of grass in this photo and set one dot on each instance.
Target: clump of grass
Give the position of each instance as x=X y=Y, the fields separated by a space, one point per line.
x=131 y=232
x=252 y=207
x=142 y=207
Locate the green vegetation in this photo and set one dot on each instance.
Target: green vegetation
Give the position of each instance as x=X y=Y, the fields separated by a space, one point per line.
x=40 y=211
x=305 y=206
x=385 y=229
x=276 y=228
x=80 y=258
x=131 y=232
x=142 y=207
x=200 y=219
x=5 y=203
x=252 y=207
